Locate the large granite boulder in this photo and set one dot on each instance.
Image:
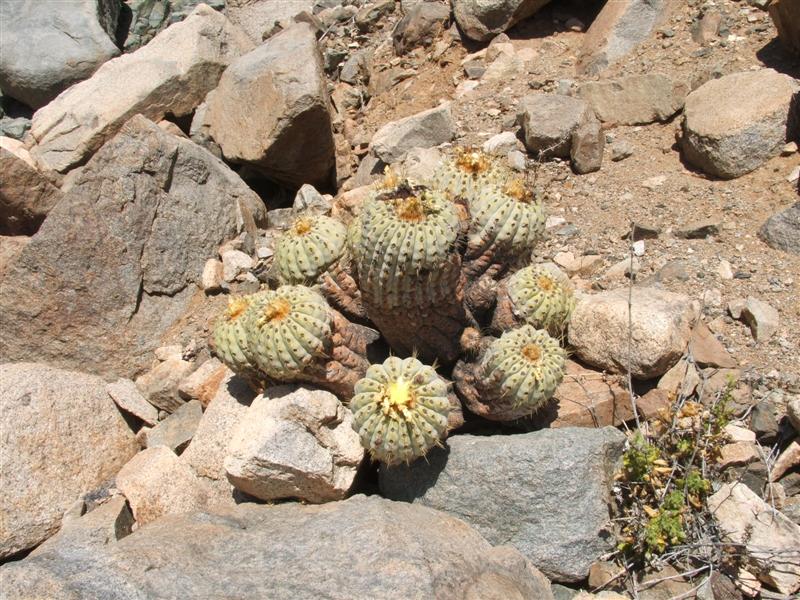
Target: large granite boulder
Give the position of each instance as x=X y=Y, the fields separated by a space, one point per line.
x=545 y=493
x=258 y=17
x=45 y=47
x=62 y=436
x=271 y=110
x=116 y=261
x=171 y=75
x=481 y=20
x=364 y=547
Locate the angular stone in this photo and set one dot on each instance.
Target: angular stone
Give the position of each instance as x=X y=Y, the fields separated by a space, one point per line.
x=294 y=443
x=762 y=319
x=10 y=248
x=501 y=144
x=782 y=230
x=176 y=431
x=72 y=39
x=737 y=454
x=698 y=230
x=258 y=17
x=114 y=264
x=159 y=385
x=548 y=122
x=172 y=74
x=62 y=437
x=234 y=263
x=422 y=130
x=618 y=29
x=764 y=423
x=157 y=483
x=420 y=26
x=212 y=277
x=364 y=547
x=209 y=446
x=372 y=12
x=767 y=537
x=203 y=383
x=786 y=16
x=788 y=459
x=481 y=20
x=271 y=110
x=793 y=412
x=25 y=196
x=707 y=350
x=127 y=396
x=586 y=150
x=735 y=124
x=542 y=480
x=661 y=325
x=681 y=380
x=636 y=99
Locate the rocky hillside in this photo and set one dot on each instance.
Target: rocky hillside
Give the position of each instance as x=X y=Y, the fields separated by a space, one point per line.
x=400 y=299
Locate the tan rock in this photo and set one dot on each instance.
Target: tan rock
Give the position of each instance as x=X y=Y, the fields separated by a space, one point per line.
x=737 y=454
x=62 y=437
x=171 y=74
x=271 y=110
x=257 y=18
x=707 y=350
x=767 y=537
x=26 y=197
x=636 y=99
x=212 y=276
x=127 y=396
x=680 y=380
x=736 y=123
x=203 y=383
x=481 y=20
x=10 y=247
x=157 y=483
x=786 y=16
x=788 y=459
x=294 y=443
x=661 y=325
x=159 y=385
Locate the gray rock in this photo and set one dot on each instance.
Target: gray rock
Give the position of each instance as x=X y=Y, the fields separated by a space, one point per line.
x=62 y=437
x=698 y=230
x=422 y=130
x=176 y=431
x=355 y=69
x=782 y=230
x=762 y=319
x=636 y=99
x=361 y=548
x=209 y=446
x=481 y=20
x=620 y=150
x=258 y=17
x=271 y=110
x=72 y=39
x=420 y=26
x=524 y=490
x=15 y=127
x=150 y=17
x=25 y=196
x=157 y=483
x=764 y=423
x=618 y=28
x=172 y=74
x=127 y=396
x=308 y=198
x=115 y=262
x=549 y=120
x=294 y=443
x=736 y=123
x=661 y=324
x=372 y=13
x=586 y=149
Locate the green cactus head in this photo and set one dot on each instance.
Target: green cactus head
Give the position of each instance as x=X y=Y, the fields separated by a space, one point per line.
x=230 y=334
x=287 y=329
x=400 y=410
x=311 y=245
x=542 y=298
x=506 y=219
x=523 y=368
x=403 y=249
x=466 y=172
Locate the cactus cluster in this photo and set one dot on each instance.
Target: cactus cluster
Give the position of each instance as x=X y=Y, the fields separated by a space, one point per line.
x=400 y=410
x=432 y=267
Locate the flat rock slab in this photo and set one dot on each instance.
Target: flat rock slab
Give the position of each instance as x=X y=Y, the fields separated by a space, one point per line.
x=423 y=130
x=172 y=74
x=45 y=47
x=635 y=100
x=115 y=263
x=544 y=493
x=365 y=547
x=736 y=123
x=258 y=17
x=62 y=436
x=271 y=110
x=660 y=326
